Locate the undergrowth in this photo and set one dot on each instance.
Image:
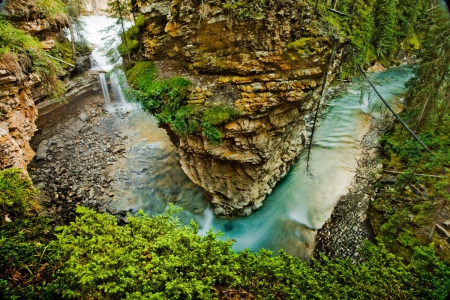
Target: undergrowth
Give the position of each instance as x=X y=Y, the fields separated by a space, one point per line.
x=28 y=51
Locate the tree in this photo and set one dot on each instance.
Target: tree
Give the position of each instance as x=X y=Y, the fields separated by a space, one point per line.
x=73 y=10
x=120 y=10
x=429 y=88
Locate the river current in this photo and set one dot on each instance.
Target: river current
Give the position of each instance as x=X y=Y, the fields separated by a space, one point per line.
x=150 y=177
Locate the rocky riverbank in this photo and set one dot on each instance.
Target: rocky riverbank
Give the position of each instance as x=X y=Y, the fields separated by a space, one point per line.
x=348 y=227
x=114 y=159
x=72 y=153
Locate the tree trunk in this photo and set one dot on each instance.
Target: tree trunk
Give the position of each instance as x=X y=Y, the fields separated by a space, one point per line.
x=123 y=30
x=72 y=40
x=333 y=50
x=444 y=110
x=436 y=219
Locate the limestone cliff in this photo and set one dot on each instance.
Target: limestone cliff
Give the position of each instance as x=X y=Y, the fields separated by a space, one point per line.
x=17 y=110
x=268 y=60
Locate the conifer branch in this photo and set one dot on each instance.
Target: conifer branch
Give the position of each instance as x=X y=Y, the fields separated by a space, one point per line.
x=395 y=115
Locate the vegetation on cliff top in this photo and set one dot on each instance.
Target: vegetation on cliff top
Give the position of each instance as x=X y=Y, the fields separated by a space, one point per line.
x=158 y=258
x=166 y=99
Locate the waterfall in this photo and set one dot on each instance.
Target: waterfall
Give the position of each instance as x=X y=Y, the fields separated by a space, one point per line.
x=104 y=86
x=207 y=221
x=117 y=89
x=101 y=62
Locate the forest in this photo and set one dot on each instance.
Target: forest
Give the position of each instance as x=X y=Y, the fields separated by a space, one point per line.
x=157 y=257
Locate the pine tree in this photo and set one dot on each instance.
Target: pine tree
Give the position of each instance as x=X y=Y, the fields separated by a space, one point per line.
x=429 y=88
x=120 y=10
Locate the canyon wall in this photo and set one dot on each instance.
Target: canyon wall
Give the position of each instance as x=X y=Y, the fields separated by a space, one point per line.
x=267 y=60
x=96 y=7
x=17 y=85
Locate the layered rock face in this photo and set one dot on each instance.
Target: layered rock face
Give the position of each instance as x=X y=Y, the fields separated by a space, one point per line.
x=18 y=112
x=96 y=7
x=270 y=65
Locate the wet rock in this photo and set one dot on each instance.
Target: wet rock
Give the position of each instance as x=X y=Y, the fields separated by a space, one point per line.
x=41 y=152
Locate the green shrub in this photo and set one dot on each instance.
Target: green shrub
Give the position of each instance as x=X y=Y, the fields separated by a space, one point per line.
x=219 y=114
x=149 y=258
x=211 y=133
x=27 y=262
x=16 y=193
x=165 y=99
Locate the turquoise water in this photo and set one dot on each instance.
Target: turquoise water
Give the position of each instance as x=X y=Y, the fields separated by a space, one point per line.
x=300 y=204
x=150 y=177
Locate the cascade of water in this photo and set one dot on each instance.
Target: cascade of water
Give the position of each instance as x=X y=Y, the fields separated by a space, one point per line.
x=117 y=89
x=100 y=61
x=105 y=91
x=207 y=221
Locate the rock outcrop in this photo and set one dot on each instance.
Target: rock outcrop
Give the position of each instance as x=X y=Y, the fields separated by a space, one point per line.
x=268 y=61
x=17 y=108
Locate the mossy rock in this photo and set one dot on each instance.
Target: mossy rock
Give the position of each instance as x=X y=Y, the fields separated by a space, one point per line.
x=304 y=47
x=132 y=45
x=132 y=32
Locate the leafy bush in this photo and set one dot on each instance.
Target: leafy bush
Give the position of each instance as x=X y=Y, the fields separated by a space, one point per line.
x=149 y=258
x=211 y=133
x=219 y=114
x=27 y=263
x=158 y=258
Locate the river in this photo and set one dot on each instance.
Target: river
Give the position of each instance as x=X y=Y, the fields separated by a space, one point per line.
x=149 y=176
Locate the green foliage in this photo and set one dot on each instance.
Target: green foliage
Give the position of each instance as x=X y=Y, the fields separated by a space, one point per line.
x=120 y=10
x=27 y=263
x=211 y=133
x=165 y=99
x=378 y=30
x=140 y=21
x=424 y=196
x=149 y=258
x=429 y=88
x=15 y=42
x=16 y=193
x=131 y=35
x=51 y=8
x=246 y=9
x=219 y=114
x=158 y=258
